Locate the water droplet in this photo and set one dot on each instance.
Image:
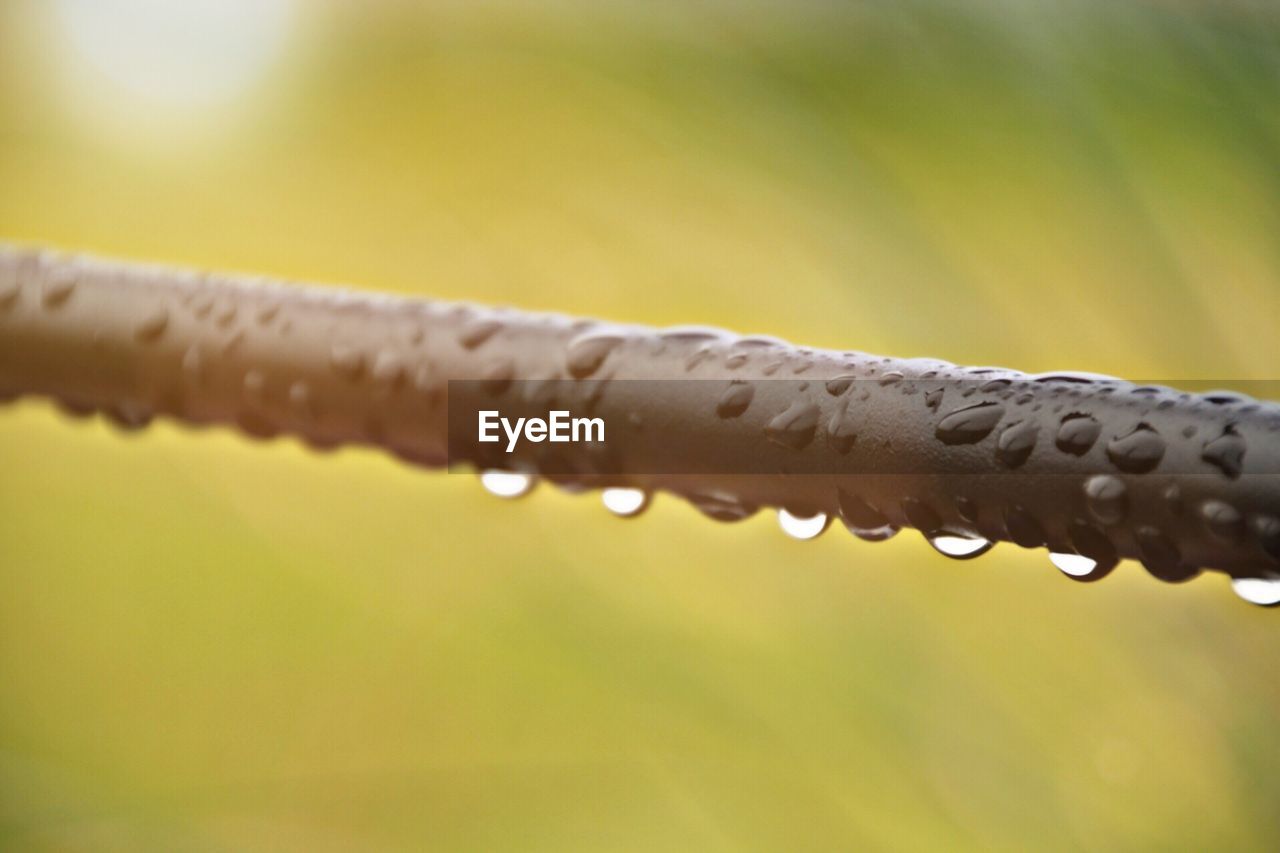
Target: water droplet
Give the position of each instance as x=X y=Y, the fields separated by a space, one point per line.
x=837 y=386
x=922 y=516
x=842 y=432
x=736 y=360
x=721 y=507
x=586 y=354
x=1023 y=527
x=225 y=315
x=8 y=294
x=1107 y=498
x=1226 y=452
x=267 y=312
x=703 y=353
x=388 y=369
x=960 y=547
x=254 y=385
x=864 y=520
x=301 y=402
x=1138 y=451
x=1077 y=566
x=130 y=415
x=1161 y=556
x=1072 y=376
x=193 y=365
x=347 y=361
x=802 y=527
x=70 y=408
x=1077 y=433
x=691 y=334
x=893 y=377
x=506 y=484
x=795 y=427
x=1015 y=443
x=1172 y=495
x=234 y=342
x=1224 y=397
x=968 y=509
x=1093 y=543
x=58 y=288
x=477 y=332
x=933 y=399
x=1222 y=520
x=756 y=342
x=1264 y=592
x=152 y=325
x=736 y=399
x=970 y=424
x=1267 y=529
x=625 y=502
x=497 y=377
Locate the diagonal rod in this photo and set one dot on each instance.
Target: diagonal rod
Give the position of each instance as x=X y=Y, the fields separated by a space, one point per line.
x=1080 y=464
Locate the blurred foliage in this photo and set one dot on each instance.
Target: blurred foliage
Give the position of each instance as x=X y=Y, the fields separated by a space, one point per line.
x=212 y=644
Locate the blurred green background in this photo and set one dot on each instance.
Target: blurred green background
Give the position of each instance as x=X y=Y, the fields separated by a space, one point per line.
x=207 y=644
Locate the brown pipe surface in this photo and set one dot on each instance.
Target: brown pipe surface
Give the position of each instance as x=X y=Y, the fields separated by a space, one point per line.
x=1081 y=464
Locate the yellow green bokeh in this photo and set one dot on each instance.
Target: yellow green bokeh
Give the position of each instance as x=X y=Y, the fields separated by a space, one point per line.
x=213 y=644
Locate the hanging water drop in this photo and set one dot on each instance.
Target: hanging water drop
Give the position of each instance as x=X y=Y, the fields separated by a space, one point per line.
x=1023 y=527
x=506 y=484
x=863 y=520
x=721 y=506
x=625 y=502
x=1161 y=556
x=960 y=547
x=1265 y=592
x=1073 y=565
x=872 y=534
x=802 y=527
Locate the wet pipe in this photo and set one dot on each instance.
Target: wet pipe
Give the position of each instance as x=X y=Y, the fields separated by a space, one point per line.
x=1092 y=468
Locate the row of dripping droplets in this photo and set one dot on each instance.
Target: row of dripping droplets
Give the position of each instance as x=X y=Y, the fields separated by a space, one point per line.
x=630 y=502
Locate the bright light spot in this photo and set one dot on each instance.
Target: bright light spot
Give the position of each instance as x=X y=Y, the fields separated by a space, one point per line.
x=800 y=527
x=1263 y=591
x=624 y=502
x=179 y=56
x=960 y=547
x=1073 y=564
x=506 y=484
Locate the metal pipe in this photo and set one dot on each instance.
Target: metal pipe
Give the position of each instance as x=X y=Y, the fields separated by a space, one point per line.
x=1090 y=467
